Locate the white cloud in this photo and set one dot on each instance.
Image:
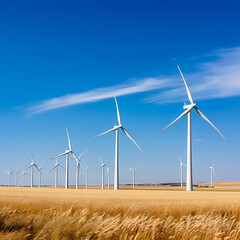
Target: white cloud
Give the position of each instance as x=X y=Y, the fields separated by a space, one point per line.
x=98 y=94
x=198 y=139
x=217 y=77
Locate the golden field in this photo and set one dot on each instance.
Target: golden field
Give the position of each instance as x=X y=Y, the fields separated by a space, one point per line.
x=48 y=213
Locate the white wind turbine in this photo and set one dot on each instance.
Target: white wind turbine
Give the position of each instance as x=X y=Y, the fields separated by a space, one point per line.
x=212 y=169
x=86 y=171
x=116 y=128
x=67 y=159
x=40 y=175
x=181 y=168
x=102 y=167
x=23 y=174
x=9 y=177
x=32 y=165
x=16 y=177
x=108 y=176
x=56 y=172
x=133 y=173
x=187 y=111
x=78 y=168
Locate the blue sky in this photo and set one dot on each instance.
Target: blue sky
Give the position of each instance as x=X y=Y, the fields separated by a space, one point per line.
x=62 y=61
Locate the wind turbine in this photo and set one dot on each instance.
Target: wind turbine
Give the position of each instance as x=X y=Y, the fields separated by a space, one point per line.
x=212 y=172
x=102 y=167
x=23 y=174
x=16 y=177
x=187 y=111
x=40 y=175
x=86 y=171
x=32 y=165
x=108 y=175
x=67 y=159
x=56 y=172
x=78 y=168
x=9 y=176
x=116 y=128
x=133 y=173
x=181 y=167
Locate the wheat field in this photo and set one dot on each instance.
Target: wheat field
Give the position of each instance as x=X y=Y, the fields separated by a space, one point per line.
x=47 y=213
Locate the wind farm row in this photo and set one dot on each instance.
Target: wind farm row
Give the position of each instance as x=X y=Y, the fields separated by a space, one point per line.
x=104 y=175
x=79 y=164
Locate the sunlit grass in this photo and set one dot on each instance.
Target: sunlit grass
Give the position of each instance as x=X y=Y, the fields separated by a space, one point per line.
x=96 y=214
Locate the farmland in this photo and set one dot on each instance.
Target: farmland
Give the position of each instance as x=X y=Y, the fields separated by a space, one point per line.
x=48 y=213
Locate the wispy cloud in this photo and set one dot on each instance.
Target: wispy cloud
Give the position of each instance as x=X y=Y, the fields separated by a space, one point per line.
x=138 y=86
x=198 y=139
x=217 y=76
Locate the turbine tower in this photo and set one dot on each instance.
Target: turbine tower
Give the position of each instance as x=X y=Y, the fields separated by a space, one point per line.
x=23 y=174
x=67 y=159
x=116 y=128
x=212 y=169
x=16 y=177
x=187 y=111
x=133 y=173
x=32 y=165
x=181 y=168
x=102 y=167
x=86 y=171
x=40 y=175
x=108 y=176
x=56 y=172
x=78 y=168
x=9 y=176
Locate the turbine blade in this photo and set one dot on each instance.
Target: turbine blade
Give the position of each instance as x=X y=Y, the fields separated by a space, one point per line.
x=36 y=167
x=81 y=165
x=32 y=157
x=82 y=154
x=29 y=167
x=107 y=165
x=205 y=117
x=99 y=169
x=180 y=159
x=111 y=130
x=125 y=131
x=69 y=141
x=65 y=153
x=131 y=169
x=181 y=116
x=118 y=114
x=101 y=159
x=74 y=155
x=214 y=172
x=52 y=169
x=188 y=91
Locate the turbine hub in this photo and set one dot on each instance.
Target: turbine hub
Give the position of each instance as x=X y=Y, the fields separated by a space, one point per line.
x=189 y=106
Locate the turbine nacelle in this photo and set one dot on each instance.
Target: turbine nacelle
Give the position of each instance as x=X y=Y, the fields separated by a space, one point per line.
x=189 y=106
x=119 y=126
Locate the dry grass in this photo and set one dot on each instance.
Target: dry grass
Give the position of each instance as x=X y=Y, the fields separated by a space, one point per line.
x=94 y=214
